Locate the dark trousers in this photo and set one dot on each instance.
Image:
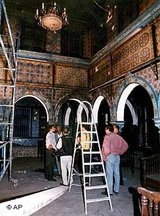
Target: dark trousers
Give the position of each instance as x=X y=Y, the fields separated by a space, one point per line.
x=78 y=161
x=49 y=164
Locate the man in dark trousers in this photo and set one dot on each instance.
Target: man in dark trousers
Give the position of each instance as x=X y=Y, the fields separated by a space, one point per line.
x=50 y=149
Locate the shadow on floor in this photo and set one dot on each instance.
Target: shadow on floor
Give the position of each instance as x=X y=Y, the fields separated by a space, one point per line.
x=136 y=201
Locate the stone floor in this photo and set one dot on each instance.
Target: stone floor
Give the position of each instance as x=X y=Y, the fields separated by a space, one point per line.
x=28 y=172
x=24 y=170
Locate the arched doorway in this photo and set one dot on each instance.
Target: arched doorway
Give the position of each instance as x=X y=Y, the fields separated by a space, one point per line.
x=68 y=115
x=73 y=111
x=139 y=129
x=101 y=115
x=30 y=121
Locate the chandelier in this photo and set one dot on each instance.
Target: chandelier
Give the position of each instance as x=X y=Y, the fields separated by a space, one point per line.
x=50 y=17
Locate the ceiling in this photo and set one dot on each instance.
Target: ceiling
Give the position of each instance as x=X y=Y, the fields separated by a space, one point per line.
x=83 y=16
x=78 y=10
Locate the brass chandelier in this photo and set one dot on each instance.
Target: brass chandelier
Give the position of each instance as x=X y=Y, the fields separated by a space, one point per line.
x=50 y=17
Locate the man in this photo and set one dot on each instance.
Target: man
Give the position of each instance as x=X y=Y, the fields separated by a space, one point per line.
x=59 y=134
x=58 y=137
x=116 y=130
x=66 y=157
x=113 y=146
x=50 y=150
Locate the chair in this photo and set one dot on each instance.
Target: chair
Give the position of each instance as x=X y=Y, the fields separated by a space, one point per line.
x=150 y=202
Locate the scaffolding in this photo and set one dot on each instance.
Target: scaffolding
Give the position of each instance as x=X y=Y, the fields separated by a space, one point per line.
x=8 y=74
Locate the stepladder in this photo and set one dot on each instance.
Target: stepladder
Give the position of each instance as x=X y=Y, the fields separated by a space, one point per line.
x=91 y=167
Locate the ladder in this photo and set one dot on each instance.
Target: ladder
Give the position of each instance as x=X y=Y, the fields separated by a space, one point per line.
x=93 y=171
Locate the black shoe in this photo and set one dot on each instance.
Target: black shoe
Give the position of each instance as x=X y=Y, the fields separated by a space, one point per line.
x=54 y=179
x=116 y=193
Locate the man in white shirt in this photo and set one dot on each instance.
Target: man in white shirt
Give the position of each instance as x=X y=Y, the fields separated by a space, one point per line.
x=50 y=149
x=59 y=134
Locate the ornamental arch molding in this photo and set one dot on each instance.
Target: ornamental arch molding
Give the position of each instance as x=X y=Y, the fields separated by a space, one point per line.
x=64 y=100
x=44 y=102
x=96 y=106
x=127 y=87
x=101 y=94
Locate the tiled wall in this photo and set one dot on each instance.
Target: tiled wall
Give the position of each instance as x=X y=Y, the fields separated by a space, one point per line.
x=25 y=151
x=133 y=53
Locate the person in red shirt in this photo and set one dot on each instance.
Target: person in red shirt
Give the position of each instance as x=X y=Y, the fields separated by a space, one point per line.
x=116 y=130
x=112 y=147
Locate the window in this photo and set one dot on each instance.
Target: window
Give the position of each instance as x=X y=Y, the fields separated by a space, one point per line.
x=33 y=38
x=72 y=43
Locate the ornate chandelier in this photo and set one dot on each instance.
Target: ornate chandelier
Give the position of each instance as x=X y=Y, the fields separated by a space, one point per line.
x=50 y=18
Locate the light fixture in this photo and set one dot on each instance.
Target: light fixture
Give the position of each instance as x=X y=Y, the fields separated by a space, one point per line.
x=50 y=17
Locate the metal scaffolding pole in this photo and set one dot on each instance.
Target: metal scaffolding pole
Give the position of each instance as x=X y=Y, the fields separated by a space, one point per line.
x=7 y=98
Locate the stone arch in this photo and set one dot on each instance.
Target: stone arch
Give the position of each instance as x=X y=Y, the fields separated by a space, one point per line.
x=126 y=88
x=103 y=94
x=96 y=106
x=43 y=102
x=63 y=100
x=133 y=113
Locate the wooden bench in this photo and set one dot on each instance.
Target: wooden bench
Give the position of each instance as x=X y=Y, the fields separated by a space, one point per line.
x=150 y=172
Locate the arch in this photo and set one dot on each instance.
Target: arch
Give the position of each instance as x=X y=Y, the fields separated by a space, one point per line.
x=81 y=107
x=62 y=101
x=126 y=88
x=133 y=113
x=79 y=112
x=96 y=108
x=33 y=96
x=123 y=99
x=67 y=116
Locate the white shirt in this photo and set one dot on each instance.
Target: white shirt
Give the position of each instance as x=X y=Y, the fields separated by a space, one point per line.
x=59 y=143
x=50 y=139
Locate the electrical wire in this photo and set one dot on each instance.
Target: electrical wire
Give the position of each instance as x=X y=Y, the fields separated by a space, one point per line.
x=106 y=10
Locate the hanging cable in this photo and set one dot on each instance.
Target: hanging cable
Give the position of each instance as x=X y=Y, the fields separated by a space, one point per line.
x=106 y=10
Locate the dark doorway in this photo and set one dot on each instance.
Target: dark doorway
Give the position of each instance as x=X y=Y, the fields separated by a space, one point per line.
x=103 y=118
x=142 y=136
x=30 y=118
x=72 y=115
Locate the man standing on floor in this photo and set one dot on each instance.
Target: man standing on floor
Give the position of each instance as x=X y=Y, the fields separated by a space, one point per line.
x=113 y=146
x=58 y=137
x=50 y=150
x=66 y=157
x=116 y=130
